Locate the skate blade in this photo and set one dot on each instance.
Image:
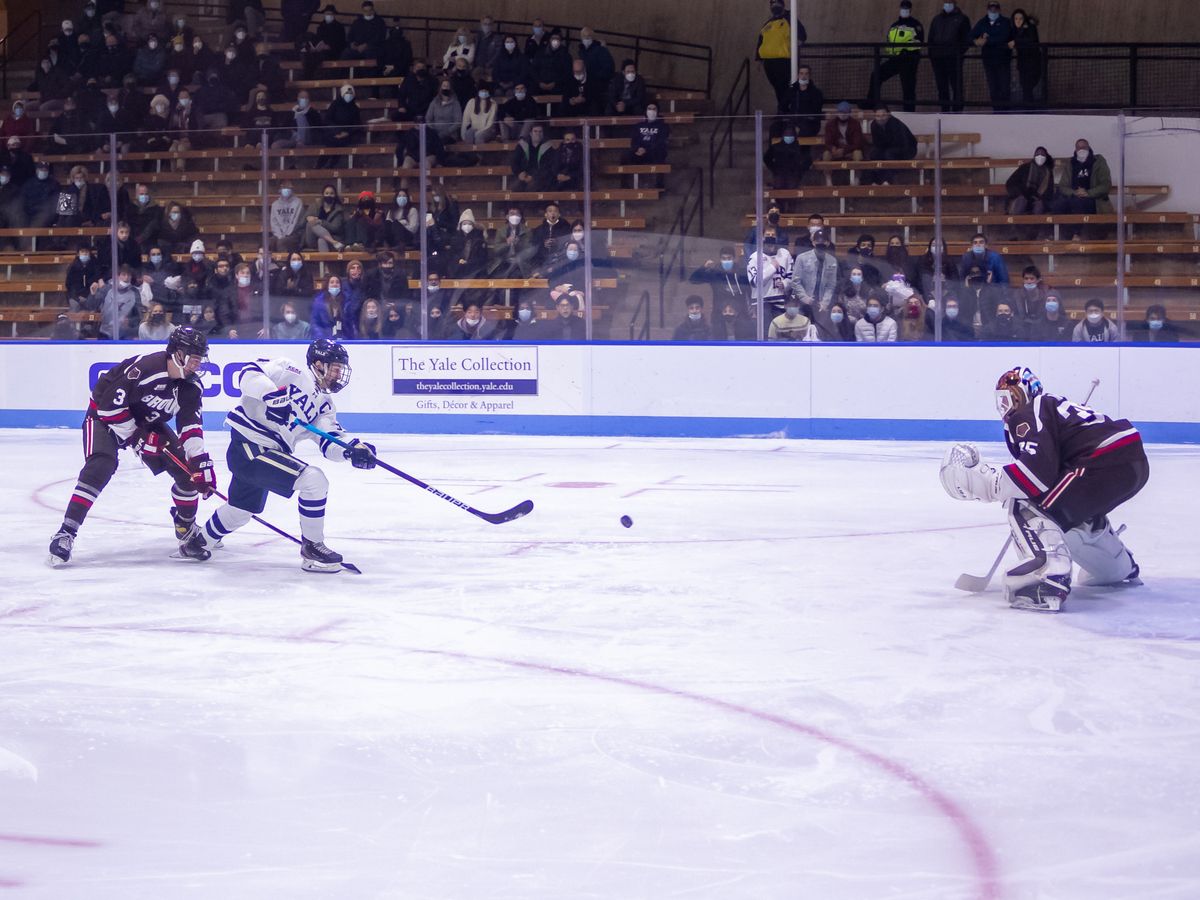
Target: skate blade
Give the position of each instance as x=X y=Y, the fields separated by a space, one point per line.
x=317 y=568
x=55 y=562
x=178 y=555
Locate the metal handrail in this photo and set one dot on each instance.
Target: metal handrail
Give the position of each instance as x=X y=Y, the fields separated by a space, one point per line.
x=642 y=334
x=8 y=52
x=722 y=133
x=691 y=209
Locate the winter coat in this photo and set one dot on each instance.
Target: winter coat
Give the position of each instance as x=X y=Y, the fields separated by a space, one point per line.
x=445 y=117
x=1096 y=174
x=949 y=34
x=990 y=261
x=478 y=114
x=689 y=330
x=1032 y=181
x=881 y=332
x=324 y=321
x=1051 y=331
x=998 y=34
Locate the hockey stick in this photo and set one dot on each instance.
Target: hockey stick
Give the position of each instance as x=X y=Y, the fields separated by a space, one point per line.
x=977 y=584
x=349 y=567
x=521 y=509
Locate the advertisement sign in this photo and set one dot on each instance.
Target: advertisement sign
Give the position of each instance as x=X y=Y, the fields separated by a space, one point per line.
x=476 y=378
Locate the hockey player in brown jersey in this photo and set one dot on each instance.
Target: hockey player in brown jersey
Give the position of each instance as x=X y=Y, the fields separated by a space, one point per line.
x=1072 y=467
x=132 y=406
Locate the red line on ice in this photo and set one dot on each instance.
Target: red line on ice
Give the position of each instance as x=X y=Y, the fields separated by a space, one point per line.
x=982 y=856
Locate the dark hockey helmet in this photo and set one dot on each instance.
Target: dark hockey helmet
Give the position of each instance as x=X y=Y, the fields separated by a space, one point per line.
x=188 y=348
x=329 y=363
x=1016 y=389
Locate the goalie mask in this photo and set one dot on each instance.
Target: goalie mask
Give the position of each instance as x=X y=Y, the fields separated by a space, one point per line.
x=330 y=365
x=1015 y=390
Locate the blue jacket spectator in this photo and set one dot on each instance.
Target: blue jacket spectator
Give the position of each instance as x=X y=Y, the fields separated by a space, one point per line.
x=327 y=319
x=991 y=262
x=992 y=35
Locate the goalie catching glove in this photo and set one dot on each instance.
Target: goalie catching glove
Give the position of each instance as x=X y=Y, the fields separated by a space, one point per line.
x=360 y=454
x=966 y=477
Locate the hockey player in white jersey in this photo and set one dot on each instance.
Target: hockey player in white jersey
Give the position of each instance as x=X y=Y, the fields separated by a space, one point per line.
x=262 y=456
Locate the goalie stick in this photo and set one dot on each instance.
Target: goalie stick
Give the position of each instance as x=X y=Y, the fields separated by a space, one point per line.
x=521 y=509
x=977 y=584
x=349 y=567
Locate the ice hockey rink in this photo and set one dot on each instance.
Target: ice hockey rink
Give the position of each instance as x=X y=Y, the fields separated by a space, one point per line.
x=766 y=688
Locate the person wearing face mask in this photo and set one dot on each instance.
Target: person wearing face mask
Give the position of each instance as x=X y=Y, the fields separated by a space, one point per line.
x=1027 y=44
x=815 y=274
x=120 y=300
x=52 y=83
x=1031 y=190
x=927 y=268
x=993 y=35
x=327 y=41
x=216 y=103
x=290 y=326
x=461 y=46
x=149 y=21
x=649 y=140
x=844 y=139
x=693 y=327
x=71 y=130
x=149 y=61
x=898 y=260
x=772 y=268
x=568 y=163
x=401 y=224
x=550 y=236
x=12 y=209
x=727 y=283
x=955 y=330
x=489 y=43
x=949 y=39
x=876 y=327
x=287 y=219
x=69 y=204
x=1156 y=328
x=1027 y=299
x=853 y=294
x=344 y=121
x=890 y=139
x=82 y=274
x=567 y=323
x=370 y=320
x=416 y=93
x=511 y=66
x=533 y=162
x=1096 y=328
x=901 y=56
x=39 y=195
x=325 y=222
x=862 y=254
x=364 y=229
x=152 y=130
x=479 y=116
x=597 y=59
x=395 y=55
x=627 y=92
x=387 y=279
x=145 y=216
x=178 y=229
x=1004 y=328
x=565 y=266
x=525 y=327
x=366 y=34
x=237 y=65
x=302 y=119
x=552 y=67
x=518 y=115
x=1053 y=326
x=774 y=50
x=473 y=325
x=114 y=62
x=197 y=269
x=580 y=96
x=444 y=114
x=538 y=40
x=155 y=326
x=17 y=123
x=294 y=279
x=266 y=73
x=792 y=324
x=513 y=251
x=991 y=263
x=462 y=82
x=468 y=249
x=805 y=106
x=834 y=326
x=159 y=268
x=787 y=160
x=1084 y=186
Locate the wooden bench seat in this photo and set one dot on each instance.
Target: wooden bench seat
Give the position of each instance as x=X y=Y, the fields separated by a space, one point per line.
x=917 y=192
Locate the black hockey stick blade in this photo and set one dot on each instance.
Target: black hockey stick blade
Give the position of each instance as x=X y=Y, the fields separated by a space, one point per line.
x=524 y=508
x=350 y=567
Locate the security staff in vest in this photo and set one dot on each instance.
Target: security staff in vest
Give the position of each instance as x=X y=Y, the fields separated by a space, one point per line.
x=775 y=51
x=901 y=57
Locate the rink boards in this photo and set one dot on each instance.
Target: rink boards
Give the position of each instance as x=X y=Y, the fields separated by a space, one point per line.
x=870 y=392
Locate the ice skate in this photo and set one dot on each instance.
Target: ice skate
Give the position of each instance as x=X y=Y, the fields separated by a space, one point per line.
x=1047 y=595
x=60 y=548
x=316 y=557
x=194 y=548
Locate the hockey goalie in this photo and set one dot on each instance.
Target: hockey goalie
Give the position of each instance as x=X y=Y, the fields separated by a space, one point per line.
x=1072 y=467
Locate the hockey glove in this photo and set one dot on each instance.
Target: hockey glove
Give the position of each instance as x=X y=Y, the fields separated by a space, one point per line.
x=279 y=406
x=360 y=454
x=204 y=476
x=148 y=444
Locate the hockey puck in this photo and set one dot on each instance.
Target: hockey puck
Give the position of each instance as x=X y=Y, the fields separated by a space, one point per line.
x=626 y=521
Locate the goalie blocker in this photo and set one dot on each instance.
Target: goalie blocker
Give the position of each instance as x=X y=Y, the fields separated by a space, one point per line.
x=1072 y=467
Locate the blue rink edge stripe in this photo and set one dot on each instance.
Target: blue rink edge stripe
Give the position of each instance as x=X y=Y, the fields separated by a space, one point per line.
x=647 y=426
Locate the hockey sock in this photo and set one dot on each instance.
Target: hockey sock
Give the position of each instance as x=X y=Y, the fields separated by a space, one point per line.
x=314 y=489
x=81 y=503
x=185 y=504
x=225 y=520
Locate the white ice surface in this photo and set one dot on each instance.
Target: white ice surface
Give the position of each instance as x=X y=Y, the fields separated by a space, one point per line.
x=767 y=688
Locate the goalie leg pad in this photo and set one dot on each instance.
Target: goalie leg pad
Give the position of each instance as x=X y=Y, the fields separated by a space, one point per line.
x=1101 y=554
x=1042 y=580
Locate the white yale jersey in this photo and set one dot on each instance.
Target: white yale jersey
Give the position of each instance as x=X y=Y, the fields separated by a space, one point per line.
x=308 y=404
